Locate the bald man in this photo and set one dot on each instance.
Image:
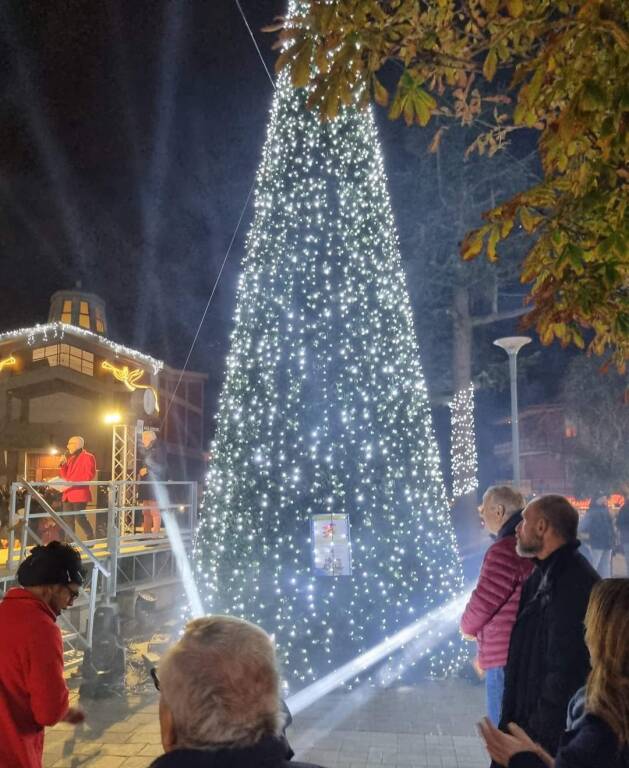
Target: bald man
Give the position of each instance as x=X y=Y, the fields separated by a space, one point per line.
x=77 y=465
x=548 y=660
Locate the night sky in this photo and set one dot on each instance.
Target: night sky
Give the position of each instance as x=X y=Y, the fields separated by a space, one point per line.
x=130 y=133
x=130 y=136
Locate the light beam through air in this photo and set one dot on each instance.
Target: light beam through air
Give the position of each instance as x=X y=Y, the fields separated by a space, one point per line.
x=422 y=635
x=179 y=551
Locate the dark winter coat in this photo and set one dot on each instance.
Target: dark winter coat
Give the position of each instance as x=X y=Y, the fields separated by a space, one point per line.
x=588 y=742
x=490 y=613
x=597 y=523
x=548 y=659
x=156 y=464
x=622 y=521
x=269 y=752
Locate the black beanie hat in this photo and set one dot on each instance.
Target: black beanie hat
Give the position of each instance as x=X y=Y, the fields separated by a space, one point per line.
x=56 y=563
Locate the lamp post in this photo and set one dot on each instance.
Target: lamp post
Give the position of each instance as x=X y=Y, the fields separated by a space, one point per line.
x=512 y=345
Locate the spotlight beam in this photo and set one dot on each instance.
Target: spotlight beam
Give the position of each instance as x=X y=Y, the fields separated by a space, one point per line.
x=427 y=632
x=179 y=551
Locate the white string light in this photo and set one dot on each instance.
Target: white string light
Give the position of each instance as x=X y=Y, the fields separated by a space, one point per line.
x=324 y=410
x=464 y=460
x=54 y=332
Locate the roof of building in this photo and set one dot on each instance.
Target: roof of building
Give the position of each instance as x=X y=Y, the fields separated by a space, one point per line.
x=54 y=332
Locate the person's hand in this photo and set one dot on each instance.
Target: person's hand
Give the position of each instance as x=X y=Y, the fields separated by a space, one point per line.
x=503 y=746
x=469 y=638
x=480 y=672
x=74 y=716
x=143 y=472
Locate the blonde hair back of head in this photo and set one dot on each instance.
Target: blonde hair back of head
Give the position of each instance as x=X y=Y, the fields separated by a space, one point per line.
x=607 y=638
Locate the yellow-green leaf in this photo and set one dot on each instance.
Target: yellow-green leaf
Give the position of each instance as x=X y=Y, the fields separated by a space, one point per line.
x=301 y=67
x=530 y=222
x=380 y=93
x=397 y=106
x=473 y=243
x=494 y=237
x=507 y=226
x=490 y=64
x=515 y=8
x=409 y=111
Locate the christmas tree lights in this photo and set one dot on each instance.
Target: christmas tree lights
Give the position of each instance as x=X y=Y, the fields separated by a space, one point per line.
x=324 y=410
x=464 y=460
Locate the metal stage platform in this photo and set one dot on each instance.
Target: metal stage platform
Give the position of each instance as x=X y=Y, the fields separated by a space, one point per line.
x=121 y=561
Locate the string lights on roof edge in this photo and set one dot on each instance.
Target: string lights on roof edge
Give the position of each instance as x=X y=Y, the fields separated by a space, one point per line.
x=43 y=333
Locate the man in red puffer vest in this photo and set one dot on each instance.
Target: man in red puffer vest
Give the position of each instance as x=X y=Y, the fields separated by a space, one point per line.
x=492 y=609
x=77 y=465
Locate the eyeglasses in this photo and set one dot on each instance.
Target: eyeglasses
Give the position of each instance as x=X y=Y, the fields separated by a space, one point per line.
x=73 y=593
x=155 y=677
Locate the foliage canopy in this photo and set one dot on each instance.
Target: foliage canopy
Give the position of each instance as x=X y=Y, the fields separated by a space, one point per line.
x=558 y=67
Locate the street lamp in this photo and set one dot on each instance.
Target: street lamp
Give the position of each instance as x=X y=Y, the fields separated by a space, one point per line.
x=512 y=345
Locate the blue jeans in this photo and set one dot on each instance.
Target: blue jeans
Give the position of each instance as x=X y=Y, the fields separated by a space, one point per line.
x=494 y=687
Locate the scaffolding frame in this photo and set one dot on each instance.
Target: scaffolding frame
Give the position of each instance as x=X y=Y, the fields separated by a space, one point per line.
x=123 y=469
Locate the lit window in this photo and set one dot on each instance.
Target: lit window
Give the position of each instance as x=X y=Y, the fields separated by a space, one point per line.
x=100 y=326
x=66 y=312
x=84 y=315
x=570 y=429
x=64 y=355
x=67 y=356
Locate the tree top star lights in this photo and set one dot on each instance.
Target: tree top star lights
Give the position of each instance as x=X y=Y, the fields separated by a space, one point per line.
x=324 y=410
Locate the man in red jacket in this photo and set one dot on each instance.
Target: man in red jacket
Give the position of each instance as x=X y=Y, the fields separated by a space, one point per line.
x=77 y=465
x=492 y=609
x=33 y=692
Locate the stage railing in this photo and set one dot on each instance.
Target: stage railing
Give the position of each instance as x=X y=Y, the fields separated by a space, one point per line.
x=35 y=517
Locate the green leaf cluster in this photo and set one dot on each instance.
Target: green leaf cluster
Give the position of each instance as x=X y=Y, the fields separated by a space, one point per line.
x=567 y=68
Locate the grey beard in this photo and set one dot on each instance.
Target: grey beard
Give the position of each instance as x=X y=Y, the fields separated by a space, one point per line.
x=529 y=550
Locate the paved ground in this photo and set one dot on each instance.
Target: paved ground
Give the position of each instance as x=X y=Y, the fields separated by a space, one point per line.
x=428 y=725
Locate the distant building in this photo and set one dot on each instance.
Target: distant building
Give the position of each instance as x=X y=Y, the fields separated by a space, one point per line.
x=546 y=436
x=67 y=378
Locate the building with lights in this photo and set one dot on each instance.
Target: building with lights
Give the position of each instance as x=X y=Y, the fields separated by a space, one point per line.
x=66 y=377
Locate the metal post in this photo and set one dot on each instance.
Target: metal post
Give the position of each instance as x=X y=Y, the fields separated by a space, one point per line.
x=515 y=430
x=123 y=468
x=113 y=539
x=193 y=509
x=25 y=525
x=92 y=607
x=12 y=524
x=512 y=345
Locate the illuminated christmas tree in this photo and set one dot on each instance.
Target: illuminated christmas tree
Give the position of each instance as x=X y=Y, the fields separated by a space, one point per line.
x=324 y=411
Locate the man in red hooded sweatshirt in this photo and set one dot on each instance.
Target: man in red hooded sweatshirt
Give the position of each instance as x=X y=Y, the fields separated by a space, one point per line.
x=33 y=692
x=77 y=465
